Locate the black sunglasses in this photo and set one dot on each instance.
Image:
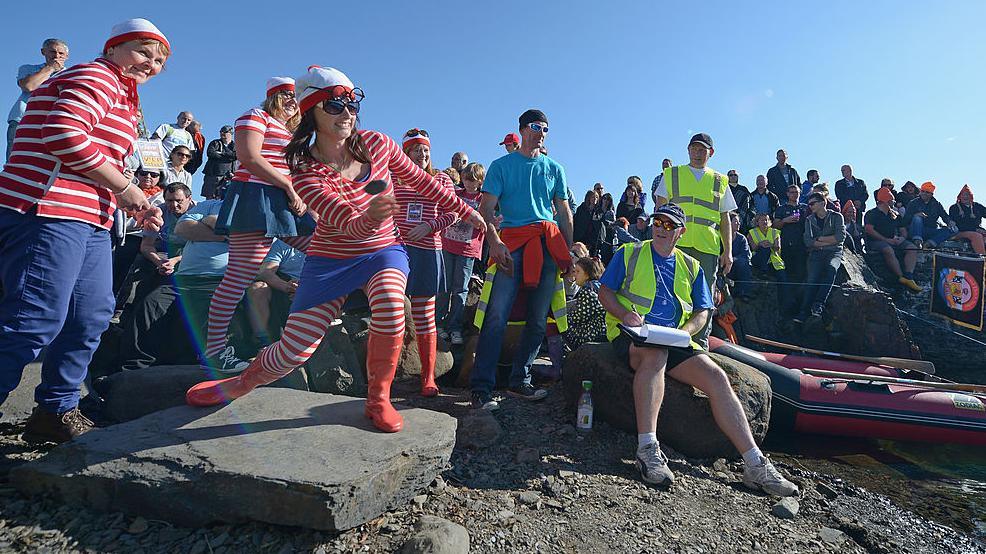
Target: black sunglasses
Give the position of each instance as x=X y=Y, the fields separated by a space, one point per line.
x=142 y=173
x=416 y=133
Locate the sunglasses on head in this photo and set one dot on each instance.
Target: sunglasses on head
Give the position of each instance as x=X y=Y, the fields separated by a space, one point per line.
x=416 y=133
x=666 y=223
x=538 y=128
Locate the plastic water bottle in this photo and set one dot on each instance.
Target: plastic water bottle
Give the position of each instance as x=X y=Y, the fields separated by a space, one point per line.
x=584 y=422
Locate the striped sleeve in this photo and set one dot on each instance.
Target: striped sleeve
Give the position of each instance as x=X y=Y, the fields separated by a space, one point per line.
x=84 y=99
x=447 y=219
x=413 y=176
x=332 y=208
x=254 y=120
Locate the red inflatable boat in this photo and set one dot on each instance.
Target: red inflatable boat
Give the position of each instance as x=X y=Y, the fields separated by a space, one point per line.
x=832 y=406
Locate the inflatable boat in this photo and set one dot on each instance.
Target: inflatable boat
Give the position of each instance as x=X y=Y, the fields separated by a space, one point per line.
x=858 y=408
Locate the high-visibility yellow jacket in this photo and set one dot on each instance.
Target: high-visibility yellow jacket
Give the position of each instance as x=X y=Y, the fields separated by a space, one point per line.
x=701 y=201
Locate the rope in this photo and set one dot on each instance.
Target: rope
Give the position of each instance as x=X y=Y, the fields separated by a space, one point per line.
x=940 y=326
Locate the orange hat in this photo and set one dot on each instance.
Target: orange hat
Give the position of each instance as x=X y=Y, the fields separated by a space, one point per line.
x=965 y=188
x=928 y=187
x=884 y=194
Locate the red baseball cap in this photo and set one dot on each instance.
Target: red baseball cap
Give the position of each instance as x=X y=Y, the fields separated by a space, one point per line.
x=511 y=138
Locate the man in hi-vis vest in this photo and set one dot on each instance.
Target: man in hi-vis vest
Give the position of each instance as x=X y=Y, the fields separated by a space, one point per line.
x=656 y=283
x=705 y=197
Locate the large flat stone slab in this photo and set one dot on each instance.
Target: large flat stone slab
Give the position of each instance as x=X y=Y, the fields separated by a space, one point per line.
x=276 y=455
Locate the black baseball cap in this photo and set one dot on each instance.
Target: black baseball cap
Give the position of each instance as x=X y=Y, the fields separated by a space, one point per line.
x=532 y=116
x=673 y=212
x=701 y=138
x=226 y=129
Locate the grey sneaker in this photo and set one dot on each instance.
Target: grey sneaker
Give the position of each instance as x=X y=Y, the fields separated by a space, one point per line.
x=482 y=401
x=225 y=362
x=765 y=477
x=528 y=392
x=653 y=465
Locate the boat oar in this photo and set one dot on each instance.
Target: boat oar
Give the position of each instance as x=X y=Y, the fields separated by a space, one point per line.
x=902 y=363
x=964 y=387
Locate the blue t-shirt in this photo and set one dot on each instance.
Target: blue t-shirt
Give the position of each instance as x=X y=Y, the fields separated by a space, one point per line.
x=289 y=260
x=525 y=187
x=17 y=110
x=203 y=258
x=666 y=310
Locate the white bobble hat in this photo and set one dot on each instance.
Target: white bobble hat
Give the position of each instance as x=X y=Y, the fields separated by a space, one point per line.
x=318 y=84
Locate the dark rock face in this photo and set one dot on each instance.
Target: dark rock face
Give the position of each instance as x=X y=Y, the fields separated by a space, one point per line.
x=335 y=366
x=276 y=455
x=685 y=422
x=860 y=318
x=133 y=394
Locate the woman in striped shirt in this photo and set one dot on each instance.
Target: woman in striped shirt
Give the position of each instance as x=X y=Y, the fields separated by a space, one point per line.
x=345 y=178
x=58 y=192
x=421 y=222
x=260 y=204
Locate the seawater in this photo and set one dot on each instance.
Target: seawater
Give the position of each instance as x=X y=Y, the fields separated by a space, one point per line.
x=945 y=483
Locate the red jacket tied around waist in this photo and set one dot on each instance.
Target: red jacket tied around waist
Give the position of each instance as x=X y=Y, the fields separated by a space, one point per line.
x=528 y=237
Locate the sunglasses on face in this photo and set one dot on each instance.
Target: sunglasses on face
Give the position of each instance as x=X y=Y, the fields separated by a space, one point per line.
x=538 y=128
x=667 y=224
x=181 y=155
x=141 y=173
x=336 y=106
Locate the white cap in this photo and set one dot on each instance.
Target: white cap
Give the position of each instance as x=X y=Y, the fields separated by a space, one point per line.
x=317 y=85
x=415 y=136
x=277 y=84
x=134 y=29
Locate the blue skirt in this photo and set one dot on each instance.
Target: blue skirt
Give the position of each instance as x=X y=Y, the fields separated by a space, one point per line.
x=427 y=277
x=249 y=207
x=325 y=279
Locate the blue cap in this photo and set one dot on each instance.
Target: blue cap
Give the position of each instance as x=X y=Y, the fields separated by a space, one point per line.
x=673 y=212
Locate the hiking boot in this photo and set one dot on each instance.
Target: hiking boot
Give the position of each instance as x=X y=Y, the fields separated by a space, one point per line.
x=456 y=337
x=484 y=401
x=44 y=426
x=909 y=283
x=225 y=362
x=528 y=392
x=653 y=465
x=764 y=477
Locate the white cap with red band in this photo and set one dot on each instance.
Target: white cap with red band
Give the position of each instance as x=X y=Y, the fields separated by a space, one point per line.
x=277 y=84
x=415 y=136
x=134 y=29
x=317 y=85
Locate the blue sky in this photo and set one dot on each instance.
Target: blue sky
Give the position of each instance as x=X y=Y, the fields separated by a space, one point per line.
x=894 y=88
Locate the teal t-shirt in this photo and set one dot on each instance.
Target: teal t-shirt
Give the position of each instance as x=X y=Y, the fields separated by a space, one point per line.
x=525 y=187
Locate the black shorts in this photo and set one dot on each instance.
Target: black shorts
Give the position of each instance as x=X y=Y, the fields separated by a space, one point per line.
x=621 y=345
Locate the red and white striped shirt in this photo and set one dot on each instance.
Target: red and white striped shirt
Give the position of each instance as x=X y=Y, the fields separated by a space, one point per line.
x=75 y=122
x=344 y=228
x=416 y=209
x=276 y=137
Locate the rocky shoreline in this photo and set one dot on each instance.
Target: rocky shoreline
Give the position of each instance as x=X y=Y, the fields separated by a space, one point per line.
x=523 y=480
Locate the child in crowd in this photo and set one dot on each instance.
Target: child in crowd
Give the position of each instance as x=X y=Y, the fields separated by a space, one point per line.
x=463 y=245
x=586 y=316
x=579 y=250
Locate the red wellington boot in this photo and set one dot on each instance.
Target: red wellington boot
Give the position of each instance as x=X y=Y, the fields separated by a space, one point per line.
x=382 y=354
x=211 y=393
x=428 y=351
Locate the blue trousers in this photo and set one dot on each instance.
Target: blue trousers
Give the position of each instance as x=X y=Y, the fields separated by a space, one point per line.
x=458 y=270
x=501 y=300
x=823 y=265
x=742 y=274
x=57 y=293
x=935 y=234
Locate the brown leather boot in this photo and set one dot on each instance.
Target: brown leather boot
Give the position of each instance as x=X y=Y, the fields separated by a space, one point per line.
x=428 y=352
x=382 y=355
x=44 y=426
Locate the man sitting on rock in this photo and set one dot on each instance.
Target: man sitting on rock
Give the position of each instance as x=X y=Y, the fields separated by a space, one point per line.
x=667 y=287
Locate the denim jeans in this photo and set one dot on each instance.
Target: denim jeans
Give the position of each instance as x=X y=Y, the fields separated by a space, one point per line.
x=57 y=283
x=742 y=274
x=458 y=270
x=822 y=268
x=936 y=236
x=501 y=301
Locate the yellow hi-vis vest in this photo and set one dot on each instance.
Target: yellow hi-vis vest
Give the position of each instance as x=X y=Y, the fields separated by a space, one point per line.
x=701 y=201
x=758 y=236
x=559 y=307
x=640 y=285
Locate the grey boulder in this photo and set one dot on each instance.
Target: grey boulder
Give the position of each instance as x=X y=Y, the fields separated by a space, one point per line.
x=278 y=456
x=434 y=535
